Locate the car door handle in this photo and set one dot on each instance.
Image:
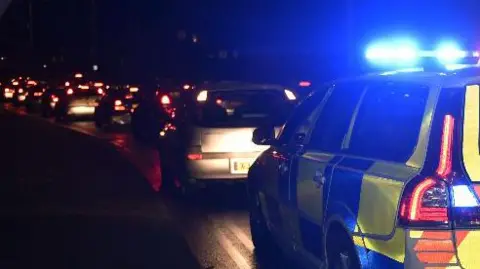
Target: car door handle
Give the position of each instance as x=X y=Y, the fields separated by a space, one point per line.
x=319 y=179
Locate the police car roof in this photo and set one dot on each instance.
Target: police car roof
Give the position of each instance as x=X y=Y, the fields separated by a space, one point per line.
x=236 y=85
x=446 y=79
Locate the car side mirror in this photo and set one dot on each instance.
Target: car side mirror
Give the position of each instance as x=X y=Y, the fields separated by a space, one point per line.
x=263 y=136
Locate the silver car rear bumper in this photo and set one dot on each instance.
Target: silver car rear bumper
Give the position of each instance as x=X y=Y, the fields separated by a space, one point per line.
x=221 y=166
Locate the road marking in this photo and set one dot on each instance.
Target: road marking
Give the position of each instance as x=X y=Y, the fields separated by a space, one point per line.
x=242 y=237
x=234 y=254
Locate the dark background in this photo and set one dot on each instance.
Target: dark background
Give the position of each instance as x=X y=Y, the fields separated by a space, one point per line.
x=248 y=39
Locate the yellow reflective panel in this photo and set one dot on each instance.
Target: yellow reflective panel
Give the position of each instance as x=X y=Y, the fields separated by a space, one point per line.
x=393 y=248
x=467 y=249
x=416 y=234
x=309 y=192
x=471 y=128
x=378 y=205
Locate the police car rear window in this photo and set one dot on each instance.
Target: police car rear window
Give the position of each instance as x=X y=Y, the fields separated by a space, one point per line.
x=388 y=122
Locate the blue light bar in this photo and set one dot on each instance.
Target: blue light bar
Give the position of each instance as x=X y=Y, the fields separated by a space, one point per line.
x=404 y=53
x=450 y=53
x=400 y=52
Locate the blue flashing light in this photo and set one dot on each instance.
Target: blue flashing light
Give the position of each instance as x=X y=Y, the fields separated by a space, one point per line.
x=399 y=52
x=463 y=196
x=450 y=53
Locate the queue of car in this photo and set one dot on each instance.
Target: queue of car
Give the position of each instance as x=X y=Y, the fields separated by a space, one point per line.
x=377 y=171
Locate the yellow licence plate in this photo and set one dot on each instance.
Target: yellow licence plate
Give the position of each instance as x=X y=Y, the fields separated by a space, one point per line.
x=240 y=166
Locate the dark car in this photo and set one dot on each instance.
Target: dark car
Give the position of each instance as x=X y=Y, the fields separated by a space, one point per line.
x=77 y=103
x=33 y=97
x=49 y=100
x=156 y=108
x=8 y=91
x=16 y=90
x=116 y=106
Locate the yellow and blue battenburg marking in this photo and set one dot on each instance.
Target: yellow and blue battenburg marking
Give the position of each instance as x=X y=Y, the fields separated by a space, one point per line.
x=368 y=208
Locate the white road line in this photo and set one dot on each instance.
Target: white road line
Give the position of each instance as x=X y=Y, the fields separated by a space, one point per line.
x=246 y=241
x=234 y=254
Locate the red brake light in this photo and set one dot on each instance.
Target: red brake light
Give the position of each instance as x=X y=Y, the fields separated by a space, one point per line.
x=118 y=102
x=445 y=164
x=427 y=201
x=100 y=91
x=165 y=100
x=304 y=83
x=70 y=91
x=194 y=156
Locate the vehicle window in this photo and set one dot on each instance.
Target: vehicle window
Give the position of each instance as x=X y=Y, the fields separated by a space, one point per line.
x=334 y=120
x=301 y=116
x=388 y=121
x=244 y=108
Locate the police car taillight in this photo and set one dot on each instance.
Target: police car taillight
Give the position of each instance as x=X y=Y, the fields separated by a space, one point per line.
x=465 y=206
x=427 y=200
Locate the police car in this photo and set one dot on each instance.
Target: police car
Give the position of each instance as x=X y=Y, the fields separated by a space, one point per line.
x=380 y=171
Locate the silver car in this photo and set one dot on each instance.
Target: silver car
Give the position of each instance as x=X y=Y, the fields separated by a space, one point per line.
x=216 y=130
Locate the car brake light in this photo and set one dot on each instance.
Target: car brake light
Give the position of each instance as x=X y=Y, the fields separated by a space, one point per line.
x=165 y=100
x=119 y=106
x=100 y=91
x=20 y=90
x=70 y=91
x=304 y=83
x=427 y=201
x=54 y=99
x=194 y=156
x=445 y=164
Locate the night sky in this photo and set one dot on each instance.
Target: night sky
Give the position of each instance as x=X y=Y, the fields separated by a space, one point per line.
x=126 y=36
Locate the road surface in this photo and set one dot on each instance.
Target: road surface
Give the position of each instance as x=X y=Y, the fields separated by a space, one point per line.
x=73 y=196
